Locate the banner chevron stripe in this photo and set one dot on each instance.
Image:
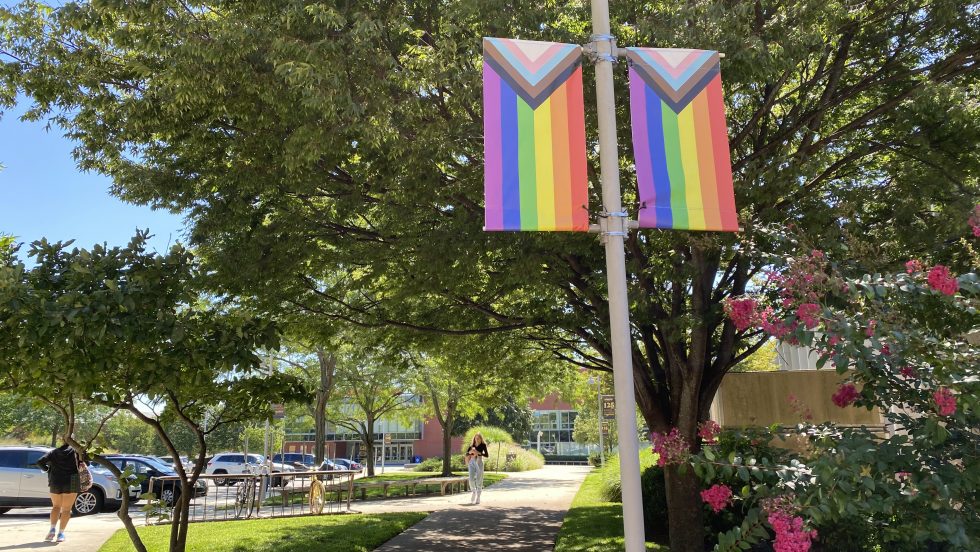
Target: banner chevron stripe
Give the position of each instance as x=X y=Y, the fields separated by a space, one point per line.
x=676 y=88
x=537 y=82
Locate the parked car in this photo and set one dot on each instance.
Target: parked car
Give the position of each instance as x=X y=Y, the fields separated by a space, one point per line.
x=24 y=485
x=148 y=467
x=236 y=463
x=300 y=461
x=346 y=464
x=169 y=460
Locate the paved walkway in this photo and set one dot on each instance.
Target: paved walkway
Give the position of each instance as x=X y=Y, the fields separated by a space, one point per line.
x=25 y=530
x=522 y=512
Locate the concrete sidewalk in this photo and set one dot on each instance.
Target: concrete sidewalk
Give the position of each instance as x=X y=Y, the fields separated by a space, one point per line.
x=522 y=512
x=25 y=530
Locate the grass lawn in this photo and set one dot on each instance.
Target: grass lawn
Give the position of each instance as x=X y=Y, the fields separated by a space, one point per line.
x=592 y=525
x=339 y=533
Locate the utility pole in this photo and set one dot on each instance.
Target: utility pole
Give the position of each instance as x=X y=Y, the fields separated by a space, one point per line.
x=614 y=236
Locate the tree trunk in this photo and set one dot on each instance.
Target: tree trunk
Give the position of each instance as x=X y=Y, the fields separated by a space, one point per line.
x=369 y=445
x=328 y=365
x=685 y=522
x=127 y=521
x=447 y=453
x=447 y=442
x=320 y=435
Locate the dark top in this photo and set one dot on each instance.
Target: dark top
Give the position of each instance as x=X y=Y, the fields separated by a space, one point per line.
x=61 y=463
x=481 y=449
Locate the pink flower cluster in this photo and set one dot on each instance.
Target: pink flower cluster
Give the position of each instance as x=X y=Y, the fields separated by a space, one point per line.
x=808 y=314
x=742 y=312
x=846 y=395
x=804 y=280
x=791 y=536
x=909 y=372
x=775 y=326
x=870 y=330
x=945 y=401
x=975 y=221
x=914 y=266
x=671 y=448
x=940 y=279
x=718 y=497
x=708 y=431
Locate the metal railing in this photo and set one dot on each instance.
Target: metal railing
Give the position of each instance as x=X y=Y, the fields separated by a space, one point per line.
x=253 y=495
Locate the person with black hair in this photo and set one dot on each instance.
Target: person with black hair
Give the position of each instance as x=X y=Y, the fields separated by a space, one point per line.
x=64 y=485
x=474 y=461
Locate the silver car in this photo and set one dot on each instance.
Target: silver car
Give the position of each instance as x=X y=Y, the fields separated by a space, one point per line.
x=24 y=485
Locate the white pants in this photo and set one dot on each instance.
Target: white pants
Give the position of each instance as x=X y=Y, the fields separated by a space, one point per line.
x=476 y=474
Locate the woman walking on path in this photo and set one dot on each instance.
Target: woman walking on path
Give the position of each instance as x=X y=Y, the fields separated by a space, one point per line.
x=474 y=459
x=63 y=483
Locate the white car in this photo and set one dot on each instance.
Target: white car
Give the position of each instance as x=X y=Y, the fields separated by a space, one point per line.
x=24 y=485
x=236 y=463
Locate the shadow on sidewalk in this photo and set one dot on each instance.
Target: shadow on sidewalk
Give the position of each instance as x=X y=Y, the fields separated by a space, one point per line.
x=510 y=529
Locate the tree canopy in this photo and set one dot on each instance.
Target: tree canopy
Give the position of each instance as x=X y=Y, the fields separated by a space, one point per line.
x=329 y=156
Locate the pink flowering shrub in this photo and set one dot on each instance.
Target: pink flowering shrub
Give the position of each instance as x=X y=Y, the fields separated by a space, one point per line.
x=846 y=395
x=808 y=314
x=671 y=448
x=941 y=280
x=717 y=497
x=742 y=312
x=945 y=401
x=974 y=221
x=791 y=535
x=900 y=340
x=708 y=431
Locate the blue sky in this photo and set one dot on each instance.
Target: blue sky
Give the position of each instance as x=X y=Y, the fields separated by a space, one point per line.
x=44 y=195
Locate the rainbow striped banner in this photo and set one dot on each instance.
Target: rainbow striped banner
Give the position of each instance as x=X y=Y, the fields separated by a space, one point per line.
x=534 y=136
x=680 y=140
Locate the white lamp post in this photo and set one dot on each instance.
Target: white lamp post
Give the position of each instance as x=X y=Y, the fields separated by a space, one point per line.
x=602 y=446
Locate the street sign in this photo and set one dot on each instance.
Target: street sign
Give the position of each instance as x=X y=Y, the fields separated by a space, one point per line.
x=605 y=427
x=387 y=438
x=608 y=407
x=278 y=411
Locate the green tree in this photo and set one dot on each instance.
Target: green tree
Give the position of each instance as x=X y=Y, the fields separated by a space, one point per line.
x=586 y=430
x=126 y=433
x=514 y=416
x=317 y=367
x=125 y=329
x=762 y=360
x=329 y=159
x=372 y=384
x=461 y=378
x=24 y=419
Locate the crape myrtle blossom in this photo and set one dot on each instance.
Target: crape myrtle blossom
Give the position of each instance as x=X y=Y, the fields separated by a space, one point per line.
x=846 y=395
x=940 y=279
x=717 y=497
x=945 y=401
